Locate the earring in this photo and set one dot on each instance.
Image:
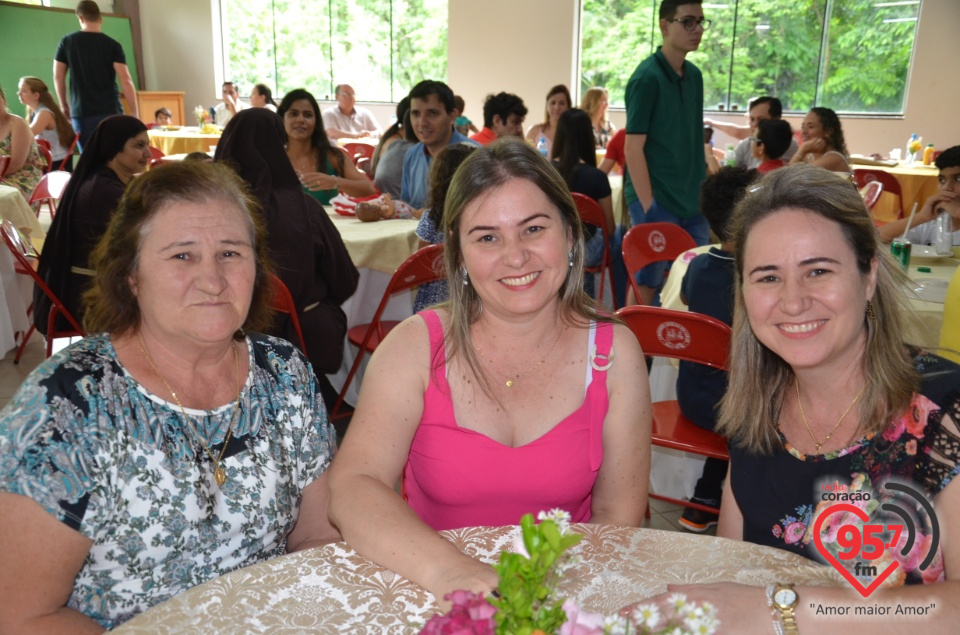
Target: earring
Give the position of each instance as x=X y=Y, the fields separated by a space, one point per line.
x=466 y=277
x=871 y=314
x=570 y=258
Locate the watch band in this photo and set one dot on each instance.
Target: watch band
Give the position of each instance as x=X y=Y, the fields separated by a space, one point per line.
x=787 y=611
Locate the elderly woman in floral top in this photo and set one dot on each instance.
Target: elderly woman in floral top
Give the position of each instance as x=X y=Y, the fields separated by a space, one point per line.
x=826 y=406
x=172 y=445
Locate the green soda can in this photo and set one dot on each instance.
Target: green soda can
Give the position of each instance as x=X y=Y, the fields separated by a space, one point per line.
x=900 y=248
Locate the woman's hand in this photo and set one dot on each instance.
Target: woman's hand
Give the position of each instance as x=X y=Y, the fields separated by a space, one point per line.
x=815 y=146
x=316 y=181
x=468 y=574
x=741 y=609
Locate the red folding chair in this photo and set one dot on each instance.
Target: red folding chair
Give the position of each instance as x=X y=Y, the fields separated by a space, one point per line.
x=49 y=190
x=652 y=242
x=156 y=156
x=73 y=146
x=4 y=164
x=425 y=265
x=45 y=153
x=863 y=176
x=361 y=154
x=22 y=250
x=592 y=214
x=691 y=337
x=281 y=300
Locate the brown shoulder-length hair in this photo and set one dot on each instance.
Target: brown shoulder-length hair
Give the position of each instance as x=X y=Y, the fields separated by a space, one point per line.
x=110 y=303
x=759 y=378
x=486 y=169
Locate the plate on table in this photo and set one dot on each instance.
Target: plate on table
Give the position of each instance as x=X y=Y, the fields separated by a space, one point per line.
x=931 y=289
x=925 y=253
x=170 y=128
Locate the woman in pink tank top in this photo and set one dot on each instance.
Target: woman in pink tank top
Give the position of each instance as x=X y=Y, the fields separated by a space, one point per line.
x=518 y=395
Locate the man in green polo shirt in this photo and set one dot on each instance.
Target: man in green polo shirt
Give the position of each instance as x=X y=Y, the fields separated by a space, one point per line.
x=664 y=145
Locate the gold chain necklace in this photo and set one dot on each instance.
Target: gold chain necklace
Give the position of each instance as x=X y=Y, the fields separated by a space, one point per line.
x=218 y=473
x=819 y=444
x=511 y=380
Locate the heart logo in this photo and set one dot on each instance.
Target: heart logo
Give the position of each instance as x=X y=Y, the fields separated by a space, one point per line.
x=862 y=515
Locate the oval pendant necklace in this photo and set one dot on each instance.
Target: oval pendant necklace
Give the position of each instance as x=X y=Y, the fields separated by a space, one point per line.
x=219 y=475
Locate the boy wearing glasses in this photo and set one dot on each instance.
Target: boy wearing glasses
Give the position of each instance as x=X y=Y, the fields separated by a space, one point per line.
x=664 y=144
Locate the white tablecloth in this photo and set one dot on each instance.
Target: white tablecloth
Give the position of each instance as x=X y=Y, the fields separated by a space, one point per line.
x=334 y=590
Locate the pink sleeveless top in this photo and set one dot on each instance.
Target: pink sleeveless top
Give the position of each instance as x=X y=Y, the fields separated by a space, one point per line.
x=456 y=477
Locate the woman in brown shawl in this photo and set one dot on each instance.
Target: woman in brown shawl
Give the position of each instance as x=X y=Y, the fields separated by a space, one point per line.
x=306 y=248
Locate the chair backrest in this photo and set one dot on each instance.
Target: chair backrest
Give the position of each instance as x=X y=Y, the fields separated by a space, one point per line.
x=63 y=164
x=43 y=143
x=653 y=242
x=591 y=213
x=281 y=300
x=156 y=153
x=4 y=163
x=871 y=193
x=50 y=187
x=45 y=153
x=425 y=265
x=684 y=335
x=17 y=246
x=357 y=151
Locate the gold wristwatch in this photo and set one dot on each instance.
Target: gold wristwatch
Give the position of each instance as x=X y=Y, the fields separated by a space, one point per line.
x=785 y=600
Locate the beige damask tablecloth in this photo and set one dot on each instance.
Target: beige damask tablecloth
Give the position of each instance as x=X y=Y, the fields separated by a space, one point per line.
x=381 y=246
x=331 y=589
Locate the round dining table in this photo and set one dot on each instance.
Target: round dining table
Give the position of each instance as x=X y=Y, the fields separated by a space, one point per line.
x=332 y=589
x=182 y=141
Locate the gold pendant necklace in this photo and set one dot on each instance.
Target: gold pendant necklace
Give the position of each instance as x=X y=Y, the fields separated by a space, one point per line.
x=511 y=380
x=219 y=475
x=819 y=444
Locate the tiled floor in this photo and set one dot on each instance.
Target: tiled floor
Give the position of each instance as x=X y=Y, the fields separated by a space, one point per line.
x=666 y=516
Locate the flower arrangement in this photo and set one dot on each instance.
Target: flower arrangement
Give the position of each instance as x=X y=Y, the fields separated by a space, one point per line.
x=202 y=115
x=526 y=602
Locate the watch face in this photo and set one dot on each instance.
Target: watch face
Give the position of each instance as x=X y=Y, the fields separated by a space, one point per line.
x=785 y=597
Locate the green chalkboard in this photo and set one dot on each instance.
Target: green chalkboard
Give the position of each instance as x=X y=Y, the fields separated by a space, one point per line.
x=29 y=37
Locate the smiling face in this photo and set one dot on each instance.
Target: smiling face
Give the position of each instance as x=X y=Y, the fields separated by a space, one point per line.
x=514 y=246
x=431 y=122
x=676 y=37
x=300 y=120
x=805 y=297
x=133 y=159
x=811 y=128
x=195 y=272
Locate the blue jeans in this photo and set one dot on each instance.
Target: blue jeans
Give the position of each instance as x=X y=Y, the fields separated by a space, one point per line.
x=593 y=252
x=86 y=125
x=697 y=226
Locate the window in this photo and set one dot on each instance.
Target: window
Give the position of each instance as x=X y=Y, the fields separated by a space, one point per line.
x=849 y=55
x=380 y=47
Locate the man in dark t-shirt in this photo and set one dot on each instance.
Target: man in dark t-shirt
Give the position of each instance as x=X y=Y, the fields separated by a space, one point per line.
x=95 y=61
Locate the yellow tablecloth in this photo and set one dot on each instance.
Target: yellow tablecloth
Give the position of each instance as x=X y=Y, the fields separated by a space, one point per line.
x=331 y=589
x=14 y=208
x=382 y=246
x=182 y=141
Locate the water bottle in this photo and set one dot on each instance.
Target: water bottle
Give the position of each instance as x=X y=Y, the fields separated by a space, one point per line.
x=730 y=156
x=542 y=146
x=911 y=149
x=944 y=237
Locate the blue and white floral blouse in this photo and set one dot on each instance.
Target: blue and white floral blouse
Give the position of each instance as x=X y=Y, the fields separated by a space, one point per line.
x=101 y=454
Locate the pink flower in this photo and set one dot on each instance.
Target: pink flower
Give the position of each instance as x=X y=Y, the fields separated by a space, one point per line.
x=894 y=430
x=916 y=419
x=777 y=531
x=911 y=447
x=794 y=532
x=470 y=614
x=580 y=622
x=934 y=572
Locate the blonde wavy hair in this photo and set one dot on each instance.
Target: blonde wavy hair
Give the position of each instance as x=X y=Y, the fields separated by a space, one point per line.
x=486 y=169
x=759 y=378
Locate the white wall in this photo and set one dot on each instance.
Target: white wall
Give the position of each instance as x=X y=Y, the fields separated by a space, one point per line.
x=519 y=46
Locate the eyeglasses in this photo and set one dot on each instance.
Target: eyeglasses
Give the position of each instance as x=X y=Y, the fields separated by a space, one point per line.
x=690 y=23
x=756 y=140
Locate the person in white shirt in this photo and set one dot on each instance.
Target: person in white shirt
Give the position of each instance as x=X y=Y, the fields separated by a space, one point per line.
x=230 y=105
x=759 y=109
x=923 y=230
x=346 y=120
